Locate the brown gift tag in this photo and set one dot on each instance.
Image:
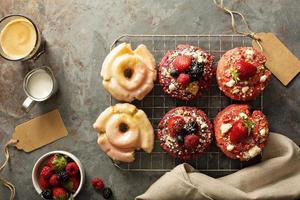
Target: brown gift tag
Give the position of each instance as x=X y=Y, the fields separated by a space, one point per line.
x=280 y=60
x=40 y=131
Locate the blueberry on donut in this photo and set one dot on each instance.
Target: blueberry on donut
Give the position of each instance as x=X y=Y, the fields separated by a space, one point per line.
x=185 y=73
x=122 y=128
x=127 y=74
x=241 y=73
x=240 y=133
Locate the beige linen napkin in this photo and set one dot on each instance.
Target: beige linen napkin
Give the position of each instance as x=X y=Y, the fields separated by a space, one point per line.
x=276 y=177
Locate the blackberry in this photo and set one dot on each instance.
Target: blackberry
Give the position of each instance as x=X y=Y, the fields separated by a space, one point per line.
x=196 y=71
x=107 y=193
x=180 y=139
x=174 y=73
x=46 y=194
x=62 y=176
x=191 y=127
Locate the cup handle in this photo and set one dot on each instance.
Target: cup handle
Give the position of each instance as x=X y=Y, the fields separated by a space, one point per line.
x=28 y=104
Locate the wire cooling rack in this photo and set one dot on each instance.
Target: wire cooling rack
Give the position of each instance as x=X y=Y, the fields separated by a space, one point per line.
x=156 y=104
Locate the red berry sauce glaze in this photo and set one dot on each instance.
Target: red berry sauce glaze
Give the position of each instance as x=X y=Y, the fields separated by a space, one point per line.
x=188 y=60
x=241 y=73
x=239 y=133
x=189 y=141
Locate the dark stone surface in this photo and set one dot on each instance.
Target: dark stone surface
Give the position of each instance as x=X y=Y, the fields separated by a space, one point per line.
x=79 y=34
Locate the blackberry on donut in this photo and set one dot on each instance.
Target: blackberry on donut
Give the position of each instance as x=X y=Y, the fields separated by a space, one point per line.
x=240 y=133
x=185 y=73
x=241 y=73
x=185 y=132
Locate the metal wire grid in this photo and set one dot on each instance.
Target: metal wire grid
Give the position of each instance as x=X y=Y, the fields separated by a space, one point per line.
x=156 y=104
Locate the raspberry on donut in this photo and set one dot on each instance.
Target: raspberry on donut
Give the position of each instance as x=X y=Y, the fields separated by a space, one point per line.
x=240 y=133
x=241 y=73
x=185 y=132
x=185 y=73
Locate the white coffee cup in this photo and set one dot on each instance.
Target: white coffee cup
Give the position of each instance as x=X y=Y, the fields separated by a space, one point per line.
x=39 y=85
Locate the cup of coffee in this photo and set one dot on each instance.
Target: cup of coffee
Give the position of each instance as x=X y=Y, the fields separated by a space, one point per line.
x=39 y=85
x=20 y=39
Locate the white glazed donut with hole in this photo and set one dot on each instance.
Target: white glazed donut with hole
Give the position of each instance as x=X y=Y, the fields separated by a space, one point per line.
x=128 y=74
x=122 y=128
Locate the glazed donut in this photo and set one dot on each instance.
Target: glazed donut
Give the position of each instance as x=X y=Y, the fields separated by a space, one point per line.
x=122 y=128
x=128 y=74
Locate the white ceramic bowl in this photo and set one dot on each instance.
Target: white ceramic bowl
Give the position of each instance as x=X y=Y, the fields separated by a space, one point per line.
x=42 y=160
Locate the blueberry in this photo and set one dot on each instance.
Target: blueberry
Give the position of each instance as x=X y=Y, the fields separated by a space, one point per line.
x=62 y=176
x=107 y=193
x=191 y=127
x=174 y=73
x=46 y=194
x=180 y=139
x=196 y=71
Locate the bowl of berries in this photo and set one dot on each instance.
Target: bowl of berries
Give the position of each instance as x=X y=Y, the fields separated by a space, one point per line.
x=58 y=175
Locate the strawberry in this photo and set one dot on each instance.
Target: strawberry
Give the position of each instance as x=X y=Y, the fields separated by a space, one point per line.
x=183 y=79
x=57 y=162
x=238 y=132
x=97 y=183
x=46 y=172
x=72 y=184
x=60 y=193
x=245 y=70
x=72 y=168
x=54 y=180
x=182 y=63
x=175 y=125
x=191 y=141
x=43 y=182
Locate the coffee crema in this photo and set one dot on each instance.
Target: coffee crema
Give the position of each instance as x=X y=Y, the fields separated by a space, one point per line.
x=18 y=38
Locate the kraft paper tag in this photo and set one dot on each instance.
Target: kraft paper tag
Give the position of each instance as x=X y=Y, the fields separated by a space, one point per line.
x=40 y=131
x=280 y=60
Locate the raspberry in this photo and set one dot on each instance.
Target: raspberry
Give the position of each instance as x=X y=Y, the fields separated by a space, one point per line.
x=46 y=172
x=54 y=181
x=238 y=132
x=191 y=141
x=175 y=125
x=72 y=168
x=183 y=79
x=182 y=63
x=60 y=193
x=245 y=70
x=43 y=182
x=97 y=183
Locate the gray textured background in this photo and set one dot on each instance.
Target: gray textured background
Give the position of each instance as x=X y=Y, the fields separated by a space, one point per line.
x=78 y=35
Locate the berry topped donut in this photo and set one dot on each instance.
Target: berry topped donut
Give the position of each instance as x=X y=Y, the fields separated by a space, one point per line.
x=241 y=73
x=185 y=132
x=186 y=72
x=240 y=133
x=127 y=74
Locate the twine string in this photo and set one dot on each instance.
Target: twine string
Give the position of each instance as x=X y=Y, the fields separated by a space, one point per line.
x=5 y=182
x=232 y=14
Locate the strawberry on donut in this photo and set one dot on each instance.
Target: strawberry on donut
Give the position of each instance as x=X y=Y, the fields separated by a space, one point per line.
x=241 y=73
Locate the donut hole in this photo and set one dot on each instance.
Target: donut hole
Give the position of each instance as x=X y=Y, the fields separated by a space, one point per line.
x=128 y=72
x=123 y=128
